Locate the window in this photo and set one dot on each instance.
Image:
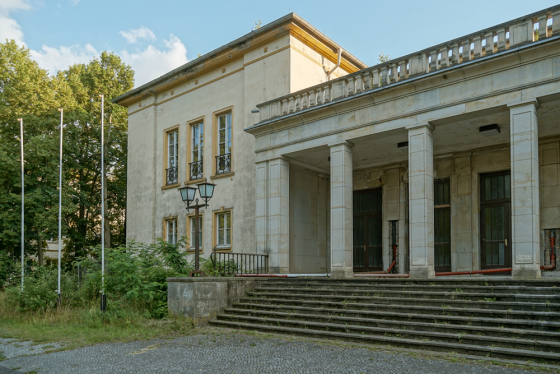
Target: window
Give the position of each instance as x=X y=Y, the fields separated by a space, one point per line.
x=192 y=231
x=197 y=147
x=223 y=158
x=223 y=230
x=171 y=231
x=171 y=172
x=442 y=226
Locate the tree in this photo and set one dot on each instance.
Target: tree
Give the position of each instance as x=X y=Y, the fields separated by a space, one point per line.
x=30 y=92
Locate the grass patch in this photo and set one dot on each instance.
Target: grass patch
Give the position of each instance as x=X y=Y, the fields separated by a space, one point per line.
x=86 y=325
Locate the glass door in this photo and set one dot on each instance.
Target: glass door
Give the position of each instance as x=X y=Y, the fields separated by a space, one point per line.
x=495 y=220
x=368 y=230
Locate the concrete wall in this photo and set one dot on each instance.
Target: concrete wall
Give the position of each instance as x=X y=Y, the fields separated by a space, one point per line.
x=308 y=221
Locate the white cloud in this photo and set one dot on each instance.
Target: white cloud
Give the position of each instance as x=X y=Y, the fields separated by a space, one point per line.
x=54 y=59
x=132 y=36
x=152 y=63
x=9 y=28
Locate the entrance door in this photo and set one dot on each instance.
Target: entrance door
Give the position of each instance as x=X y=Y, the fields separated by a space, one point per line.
x=495 y=220
x=368 y=230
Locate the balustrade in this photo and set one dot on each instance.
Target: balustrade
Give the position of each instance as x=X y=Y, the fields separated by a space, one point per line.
x=524 y=30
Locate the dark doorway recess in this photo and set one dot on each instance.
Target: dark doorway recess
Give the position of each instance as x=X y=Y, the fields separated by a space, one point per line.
x=442 y=226
x=368 y=236
x=495 y=220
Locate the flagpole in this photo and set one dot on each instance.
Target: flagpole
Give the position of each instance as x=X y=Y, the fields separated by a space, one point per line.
x=103 y=299
x=60 y=207
x=22 y=202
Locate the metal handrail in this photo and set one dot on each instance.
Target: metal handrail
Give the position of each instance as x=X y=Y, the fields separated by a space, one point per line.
x=223 y=163
x=196 y=169
x=171 y=176
x=230 y=263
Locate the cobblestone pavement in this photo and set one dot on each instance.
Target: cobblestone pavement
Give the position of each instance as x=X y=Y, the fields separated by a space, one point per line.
x=234 y=352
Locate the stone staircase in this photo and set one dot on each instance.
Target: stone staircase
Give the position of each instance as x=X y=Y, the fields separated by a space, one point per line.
x=493 y=317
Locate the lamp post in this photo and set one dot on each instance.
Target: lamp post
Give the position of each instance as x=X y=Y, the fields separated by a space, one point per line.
x=206 y=191
x=22 y=203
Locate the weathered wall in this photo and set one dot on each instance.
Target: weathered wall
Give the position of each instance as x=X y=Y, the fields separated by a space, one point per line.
x=308 y=221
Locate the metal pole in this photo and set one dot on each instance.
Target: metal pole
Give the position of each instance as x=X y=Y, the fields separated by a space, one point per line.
x=22 y=202
x=196 y=244
x=60 y=207
x=103 y=299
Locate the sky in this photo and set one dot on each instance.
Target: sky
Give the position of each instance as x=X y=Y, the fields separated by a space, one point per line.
x=157 y=36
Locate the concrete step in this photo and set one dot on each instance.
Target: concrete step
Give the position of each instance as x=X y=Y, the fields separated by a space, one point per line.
x=489 y=303
x=470 y=309
x=517 y=343
x=457 y=294
x=410 y=316
x=270 y=285
x=440 y=326
x=488 y=351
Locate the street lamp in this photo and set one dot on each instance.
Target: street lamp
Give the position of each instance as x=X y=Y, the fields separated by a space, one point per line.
x=206 y=190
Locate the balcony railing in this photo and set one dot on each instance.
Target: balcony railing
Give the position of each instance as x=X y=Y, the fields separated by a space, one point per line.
x=525 y=30
x=223 y=163
x=231 y=264
x=171 y=176
x=196 y=169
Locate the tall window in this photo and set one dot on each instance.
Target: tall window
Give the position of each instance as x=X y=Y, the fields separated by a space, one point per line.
x=172 y=231
x=442 y=226
x=193 y=227
x=172 y=157
x=223 y=159
x=197 y=142
x=223 y=230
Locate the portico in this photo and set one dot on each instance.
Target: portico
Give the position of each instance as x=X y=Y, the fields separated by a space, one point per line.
x=451 y=158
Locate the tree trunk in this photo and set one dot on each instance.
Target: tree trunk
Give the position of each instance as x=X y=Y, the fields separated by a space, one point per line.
x=40 y=250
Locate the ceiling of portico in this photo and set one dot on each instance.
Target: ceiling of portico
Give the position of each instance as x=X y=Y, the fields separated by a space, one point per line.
x=451 y=136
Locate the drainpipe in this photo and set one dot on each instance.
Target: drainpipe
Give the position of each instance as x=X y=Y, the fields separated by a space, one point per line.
x=337 y=64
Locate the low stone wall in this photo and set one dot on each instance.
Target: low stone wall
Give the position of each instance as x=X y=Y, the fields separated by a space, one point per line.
x=202 y=298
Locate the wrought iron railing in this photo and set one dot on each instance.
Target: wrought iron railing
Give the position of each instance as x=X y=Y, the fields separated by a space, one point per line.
x=196 y=170
x=230 y=264
x=223 y=163
x=172 y=176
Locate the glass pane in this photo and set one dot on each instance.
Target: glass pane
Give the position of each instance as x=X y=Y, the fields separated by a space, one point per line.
x=228 y=236
x=501 y=223
x=501 y=187
x=501 y=254
x=487 y=189
x=488 y=228
x=447 y=254
x=446 y=193
x=488 y=254
x=495 y=260
x=494 y=187
x=507 y=186
x=447 y=217
x=495 y=223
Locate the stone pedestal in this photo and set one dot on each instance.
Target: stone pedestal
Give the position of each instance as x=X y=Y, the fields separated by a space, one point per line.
x=341 y=210
x=525 y=213
x=421 y=200
x=273 y=212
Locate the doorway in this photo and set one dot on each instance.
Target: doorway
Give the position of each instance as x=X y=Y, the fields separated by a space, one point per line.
x=368 y=237
x=495 y=220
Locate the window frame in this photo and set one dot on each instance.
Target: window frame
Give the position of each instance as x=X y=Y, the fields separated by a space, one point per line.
x=166 y=166
x=166 y=222
x=189 y=230
x=215 y=231
x=190 y=126
x=216 y=138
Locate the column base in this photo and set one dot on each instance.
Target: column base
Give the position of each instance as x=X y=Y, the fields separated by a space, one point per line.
x=341 y=273
x=526 y=272
x=422 y=272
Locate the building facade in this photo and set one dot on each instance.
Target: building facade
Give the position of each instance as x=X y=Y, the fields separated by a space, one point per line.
x=444 y=160
x=187 y=127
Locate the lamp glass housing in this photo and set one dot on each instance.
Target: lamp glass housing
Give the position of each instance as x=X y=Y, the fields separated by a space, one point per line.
x=206 y=190
x=187 y=194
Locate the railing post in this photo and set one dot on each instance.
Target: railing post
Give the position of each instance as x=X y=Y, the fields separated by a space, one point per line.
x=402 y=70
x=454 y=54
x=466 y=54
x=489 y=47
x=444 y=57
x=477 y=47
x=375 y=78
x=433 y=61
x=501 y=39
x=555 y=23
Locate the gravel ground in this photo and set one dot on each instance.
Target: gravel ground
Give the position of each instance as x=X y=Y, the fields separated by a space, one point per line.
x=14 y=348
x=228 y=352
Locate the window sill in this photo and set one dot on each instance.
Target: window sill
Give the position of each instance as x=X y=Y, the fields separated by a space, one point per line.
x=176 y=185
x=195 y=181
x=224 y=175
x=192 y=250
x=221 y=249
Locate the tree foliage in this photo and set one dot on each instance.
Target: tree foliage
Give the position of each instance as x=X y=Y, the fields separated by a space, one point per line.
x=29 y=92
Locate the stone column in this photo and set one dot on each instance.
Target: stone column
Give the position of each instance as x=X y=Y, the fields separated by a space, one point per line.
x=525 y=213
x=421 y=200
x=273 y=212
x=341 y=210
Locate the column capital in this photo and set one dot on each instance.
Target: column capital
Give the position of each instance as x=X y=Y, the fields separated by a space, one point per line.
x=342 y=142
x=275 y=158
x=533 y=101
x=420 y=125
